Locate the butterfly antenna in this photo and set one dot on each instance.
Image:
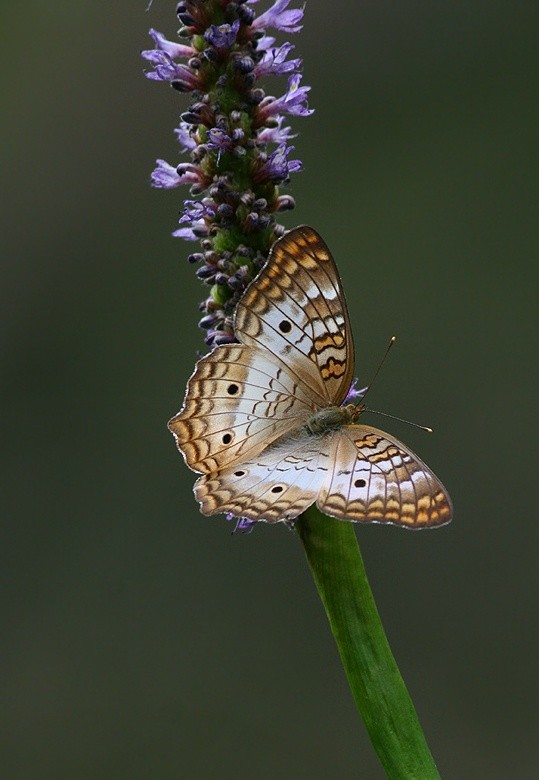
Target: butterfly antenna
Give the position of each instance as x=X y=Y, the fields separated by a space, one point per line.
x=392 y=340
x=400 y=419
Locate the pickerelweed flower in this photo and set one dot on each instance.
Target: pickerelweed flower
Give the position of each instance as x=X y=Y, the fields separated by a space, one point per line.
x=236 y=139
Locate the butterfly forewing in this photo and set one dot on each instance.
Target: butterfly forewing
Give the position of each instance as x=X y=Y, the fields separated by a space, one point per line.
x=238 y=401
x=296 y=309
x=375 y=478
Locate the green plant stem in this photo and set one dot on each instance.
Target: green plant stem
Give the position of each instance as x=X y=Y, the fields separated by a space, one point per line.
x=377 y=686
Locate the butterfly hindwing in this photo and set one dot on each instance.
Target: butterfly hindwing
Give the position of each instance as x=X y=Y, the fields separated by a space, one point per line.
x=376 y=478
x=278 y=484
x=238 y=401
x=296 y=309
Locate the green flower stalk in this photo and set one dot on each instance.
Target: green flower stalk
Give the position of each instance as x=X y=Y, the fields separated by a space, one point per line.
x=238 y=150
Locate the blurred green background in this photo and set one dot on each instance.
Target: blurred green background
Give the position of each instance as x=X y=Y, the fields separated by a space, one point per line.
x=141 y=640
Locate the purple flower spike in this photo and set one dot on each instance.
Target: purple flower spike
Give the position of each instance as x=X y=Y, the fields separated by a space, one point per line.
x=294 y=101
x=243 y=524
x=276 y=135
x=354 y=394
x=165 y=69
x=185 y=138
x=235 y=138
x=165 y=176
x=164 y=65
x=218 y=139
x=277 y=168
x=187 y=234
x=274 y=62
x=198 y=214
x=224 y=36
x=265 y=42
x=278 y=17
x=236 y=142
x=173 y=49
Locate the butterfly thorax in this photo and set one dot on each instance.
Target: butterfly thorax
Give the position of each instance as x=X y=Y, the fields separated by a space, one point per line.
x=332 y=417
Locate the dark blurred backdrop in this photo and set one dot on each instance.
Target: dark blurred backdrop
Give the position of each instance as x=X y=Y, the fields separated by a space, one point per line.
x=141 y=640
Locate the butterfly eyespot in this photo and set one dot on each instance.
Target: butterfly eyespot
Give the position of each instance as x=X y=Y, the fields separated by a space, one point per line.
x=285 y=326
x=359 y=483
x=277 y=489
x=227 y=438
x=239 y=473
x=232 y=389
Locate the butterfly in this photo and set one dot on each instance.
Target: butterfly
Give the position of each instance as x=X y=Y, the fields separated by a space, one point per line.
x=264 y=420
